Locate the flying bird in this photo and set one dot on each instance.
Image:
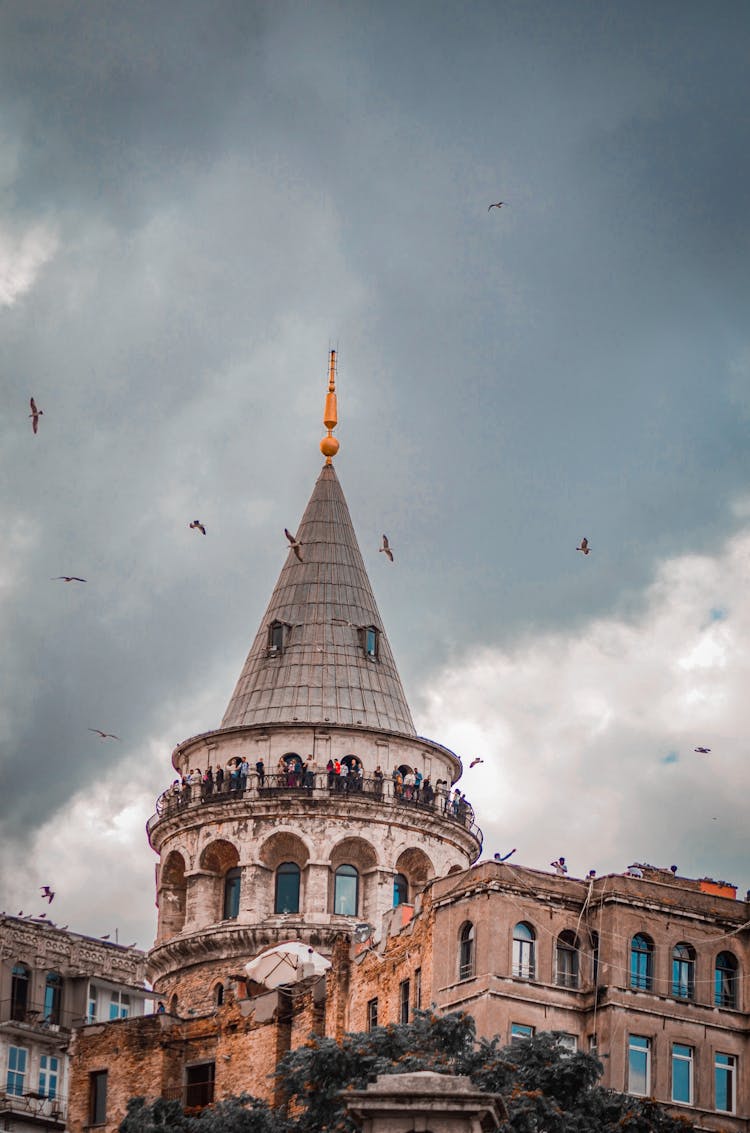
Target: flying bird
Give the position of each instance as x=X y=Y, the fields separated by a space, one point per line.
x=387 y=548
x=106 y=936
x=504 y=857
x=197 y=526
x=474 y=762
x=67 y=578
x=702 y=750
x=47 y=893
x=584 y=546
x=497 y=205
x=104 y=735
x=295 y=544
x=35 y=415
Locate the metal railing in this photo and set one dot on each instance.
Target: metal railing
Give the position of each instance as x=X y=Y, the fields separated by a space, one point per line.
x=35 y=1105
x=314 y=785
x=15 y=1011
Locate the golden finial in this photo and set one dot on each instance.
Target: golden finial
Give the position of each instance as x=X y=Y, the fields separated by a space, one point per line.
x=329 y=446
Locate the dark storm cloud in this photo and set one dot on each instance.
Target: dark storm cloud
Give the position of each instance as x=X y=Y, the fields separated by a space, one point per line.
x=232 y=186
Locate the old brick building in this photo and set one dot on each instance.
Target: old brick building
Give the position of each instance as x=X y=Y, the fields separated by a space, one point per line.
x=327 y=820
x=52 y=981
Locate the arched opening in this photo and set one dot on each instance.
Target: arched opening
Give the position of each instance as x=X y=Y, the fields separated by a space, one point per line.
x=286 y=898
x=19 y=992
x=642 y=962
x=174 y=1004
x=566 y=959
x=220 y=860
x=346 y=891
x=53 y=998
x=524 y=951
x=466 y=952
x=400 y=889
x=232 y=887
x=726 y=981
x=172 y=896
x=219 y=995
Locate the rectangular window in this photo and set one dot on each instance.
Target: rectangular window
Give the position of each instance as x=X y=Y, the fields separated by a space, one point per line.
x=48 y=1072
x=403 y=998
x=98 y=1097
x=119 y=1005
x=682 y=1073
x=199 y=1084
x=519 y=1031
x=92 y=1007
x=372 y=1014
x=568 y=1042
x=639 y=1065
x=725 y=1079
x=17 y=1060
x=417 y=989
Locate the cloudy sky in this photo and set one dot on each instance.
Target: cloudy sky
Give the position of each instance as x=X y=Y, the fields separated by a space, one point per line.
x=196 y=201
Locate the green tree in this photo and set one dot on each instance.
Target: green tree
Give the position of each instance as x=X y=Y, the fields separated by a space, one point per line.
x=231 y=1115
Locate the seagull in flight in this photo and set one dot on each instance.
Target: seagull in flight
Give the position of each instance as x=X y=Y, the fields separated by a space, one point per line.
x=295 y=544
x=197 y=526
x=474 y=762
x=702 y=750
x=104 y=735
x=497 y=205
x=584 y=547
x=35 y=415
x=387 y=548
x=47 y=893
x=67 y=578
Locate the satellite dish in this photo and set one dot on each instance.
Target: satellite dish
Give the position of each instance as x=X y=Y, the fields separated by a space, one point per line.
x=363 y=932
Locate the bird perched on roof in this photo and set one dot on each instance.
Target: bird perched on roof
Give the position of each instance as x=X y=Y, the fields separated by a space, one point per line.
x=47 y=893
x=67 y=578
x=196 y=525
x=104 y=735
x=106 y=936
x=584 y=547
x=475 y=761
x=35 y=415
x=386 y=548
x=497 y=205
x=702 y=750
x=296 y=545
x=504 y=857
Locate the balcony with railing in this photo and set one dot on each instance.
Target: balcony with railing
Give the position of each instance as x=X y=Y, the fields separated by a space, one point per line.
x=313 y=786
x=16 y=1014
x=33 y=1108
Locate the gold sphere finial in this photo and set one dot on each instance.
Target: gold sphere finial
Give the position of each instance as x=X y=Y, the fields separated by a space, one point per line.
x=329 y=446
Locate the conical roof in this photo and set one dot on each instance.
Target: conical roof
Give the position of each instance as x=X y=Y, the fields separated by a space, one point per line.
x=322 y=672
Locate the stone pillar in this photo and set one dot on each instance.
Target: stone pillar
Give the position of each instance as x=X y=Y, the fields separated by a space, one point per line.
x=424 y=1102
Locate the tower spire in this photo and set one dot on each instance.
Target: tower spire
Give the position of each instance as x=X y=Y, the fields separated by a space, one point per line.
x=329 y=446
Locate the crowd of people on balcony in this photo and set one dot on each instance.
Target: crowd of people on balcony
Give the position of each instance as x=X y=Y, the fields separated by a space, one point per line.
x=408 y=785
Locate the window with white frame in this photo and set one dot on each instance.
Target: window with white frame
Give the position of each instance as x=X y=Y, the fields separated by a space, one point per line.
x=372 y=1013
x=683 y=971
x=519 y=1031
x=18 y=1057
x=568 y=1042
x=639 y=1065
x=682 y=1073
x=524 y=939
x=49 y=1069
x=119 y=1005
x=92 y=1004
x=725 y=1082
x=566 y=959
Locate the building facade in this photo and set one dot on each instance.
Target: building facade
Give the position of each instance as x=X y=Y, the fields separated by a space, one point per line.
x=315 y=813
x=51 y=981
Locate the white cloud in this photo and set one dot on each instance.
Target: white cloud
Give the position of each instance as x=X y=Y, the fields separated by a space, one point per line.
x=21 y=259
x=588 y=738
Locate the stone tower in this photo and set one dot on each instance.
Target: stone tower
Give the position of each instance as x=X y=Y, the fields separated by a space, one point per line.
x=303 y=854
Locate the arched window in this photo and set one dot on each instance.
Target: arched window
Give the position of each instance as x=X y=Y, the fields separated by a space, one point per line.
x=287 y=888
x=683 y=971
x=52 y=998
x=725 y=980
x=19 y=992
x=400 y=890
x=466 y=952
x=345 y=891
x=174 y=1003
x=219 y=995
x=524 y=959
x=232 y=883
x=566 y=959
x=641 y=962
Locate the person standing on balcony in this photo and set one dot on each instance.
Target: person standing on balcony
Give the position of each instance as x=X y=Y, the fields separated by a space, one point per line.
x=260 y=771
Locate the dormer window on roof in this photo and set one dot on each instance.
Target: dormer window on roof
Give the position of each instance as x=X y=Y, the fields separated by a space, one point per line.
x=370 y=637
x=276 y=637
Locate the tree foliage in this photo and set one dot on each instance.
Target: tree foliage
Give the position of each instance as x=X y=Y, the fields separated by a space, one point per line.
x=543 y=1085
